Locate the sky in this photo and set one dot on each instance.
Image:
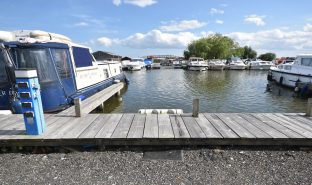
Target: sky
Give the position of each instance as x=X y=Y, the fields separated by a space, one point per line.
x=139 y=28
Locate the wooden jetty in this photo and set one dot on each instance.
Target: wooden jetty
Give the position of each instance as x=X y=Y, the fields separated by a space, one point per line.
x=290 y=129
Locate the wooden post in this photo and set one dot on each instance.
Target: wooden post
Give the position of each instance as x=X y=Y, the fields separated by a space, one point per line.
x=77 y=103
x=118 y=93
x=309 y=108
x=195 y=107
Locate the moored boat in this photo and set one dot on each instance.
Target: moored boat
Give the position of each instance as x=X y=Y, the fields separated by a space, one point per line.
x=290 y=74
x=235 y=63
x=197 y=64
x=136 y=64
x=259 y=65
x=216 y=65
x=65 y=70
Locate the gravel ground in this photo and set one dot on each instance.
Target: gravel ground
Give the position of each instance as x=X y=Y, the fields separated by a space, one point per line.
x=199 y=166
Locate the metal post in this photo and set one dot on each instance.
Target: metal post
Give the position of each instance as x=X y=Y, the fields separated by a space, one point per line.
x=77 y=103
x=309 y=108
x=195 y=107
x=29 y=93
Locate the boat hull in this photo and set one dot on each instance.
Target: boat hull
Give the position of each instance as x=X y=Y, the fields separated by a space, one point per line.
x=289 y=79
x=237 y=67
x=260 y=67
x=134 y=68
x=197 y=68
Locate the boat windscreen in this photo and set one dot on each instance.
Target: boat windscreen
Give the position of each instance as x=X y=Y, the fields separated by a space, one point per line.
x=40 y=59
x=3 y=61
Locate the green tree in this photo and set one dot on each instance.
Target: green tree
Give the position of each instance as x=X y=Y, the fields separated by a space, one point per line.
x=267 y=56
x=215 y=46
x=249 y=53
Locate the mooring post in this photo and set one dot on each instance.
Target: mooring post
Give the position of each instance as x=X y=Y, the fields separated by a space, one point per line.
x=309 y=108
x=118 y=93
x=195 y=107
x=77 y=103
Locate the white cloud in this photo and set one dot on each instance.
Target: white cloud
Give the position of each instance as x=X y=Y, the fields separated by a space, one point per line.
x=224 y=5
x=117 y=2
x=216 y=11
x=81 y=24
x=276 y=40
x=105 y=41
x=182 y=25
x=219 y=21
x=255 y=19
x=140 y=3
x=153 y=39
x=307 y=27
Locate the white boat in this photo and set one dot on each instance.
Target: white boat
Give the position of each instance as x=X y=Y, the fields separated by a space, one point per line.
x=136 y=64
x=259 y=65
x=216 y=65
x=66 y=70
x=177 y=64
x=236 y=63
x=197 y=64
x=289 y=74
x=156 y=65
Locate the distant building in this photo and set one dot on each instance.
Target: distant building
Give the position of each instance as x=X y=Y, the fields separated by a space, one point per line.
x=163 y=57
x=102 y=55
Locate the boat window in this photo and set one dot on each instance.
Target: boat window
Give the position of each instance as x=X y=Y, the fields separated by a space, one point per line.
x=62 y=62
x=40 y=59
x=306 y=61
x=105 y=71
x=287 y=67
x=82 y=57
x=3 y=58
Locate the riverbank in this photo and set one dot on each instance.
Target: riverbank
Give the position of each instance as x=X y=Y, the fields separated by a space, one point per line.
x=199 y=166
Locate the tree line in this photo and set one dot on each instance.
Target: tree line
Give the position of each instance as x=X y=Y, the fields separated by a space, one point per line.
x=217 y=46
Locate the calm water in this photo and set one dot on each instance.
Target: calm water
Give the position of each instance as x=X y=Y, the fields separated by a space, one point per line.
x=218 y=91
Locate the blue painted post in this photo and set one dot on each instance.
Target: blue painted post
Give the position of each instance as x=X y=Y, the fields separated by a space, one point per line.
x=29 y=93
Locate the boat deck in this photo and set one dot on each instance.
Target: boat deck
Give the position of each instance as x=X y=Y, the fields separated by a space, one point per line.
x=152 y=129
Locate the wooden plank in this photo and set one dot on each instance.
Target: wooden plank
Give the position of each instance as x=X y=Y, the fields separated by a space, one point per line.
x=301 y=118
x=94 y=101
x=223 y=129
x=12 y=121
x=261 y=125
x=137 y=126
x=123 y=127
x=237 y=128
x=55 y=127
x=193 y=128
x=288 y=132
x=207 y=127
x=151 y=126
x=165 y=128
x=108 y=129
x=289 y=125
x=76 y=127
x=295 y=121
x=95 y=127
x=249 y=126
x=178 y=127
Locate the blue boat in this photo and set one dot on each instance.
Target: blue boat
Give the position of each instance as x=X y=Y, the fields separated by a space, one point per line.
x=65 y=70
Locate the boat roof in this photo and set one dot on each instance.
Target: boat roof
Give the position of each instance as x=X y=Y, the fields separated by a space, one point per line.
x=304 y=55
x=37 y=37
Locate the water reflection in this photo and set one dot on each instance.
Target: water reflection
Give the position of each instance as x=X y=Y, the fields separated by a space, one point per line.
x=218 y=91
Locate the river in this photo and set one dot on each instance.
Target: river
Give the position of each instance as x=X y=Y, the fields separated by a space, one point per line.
x=218 y=91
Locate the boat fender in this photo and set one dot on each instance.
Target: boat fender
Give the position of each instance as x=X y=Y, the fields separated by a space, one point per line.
x=116 y=81
x=281 y=80
x=296 y=89
x=127 y=81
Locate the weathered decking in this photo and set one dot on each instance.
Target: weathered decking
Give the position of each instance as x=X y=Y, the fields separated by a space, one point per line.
x=141 y=129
